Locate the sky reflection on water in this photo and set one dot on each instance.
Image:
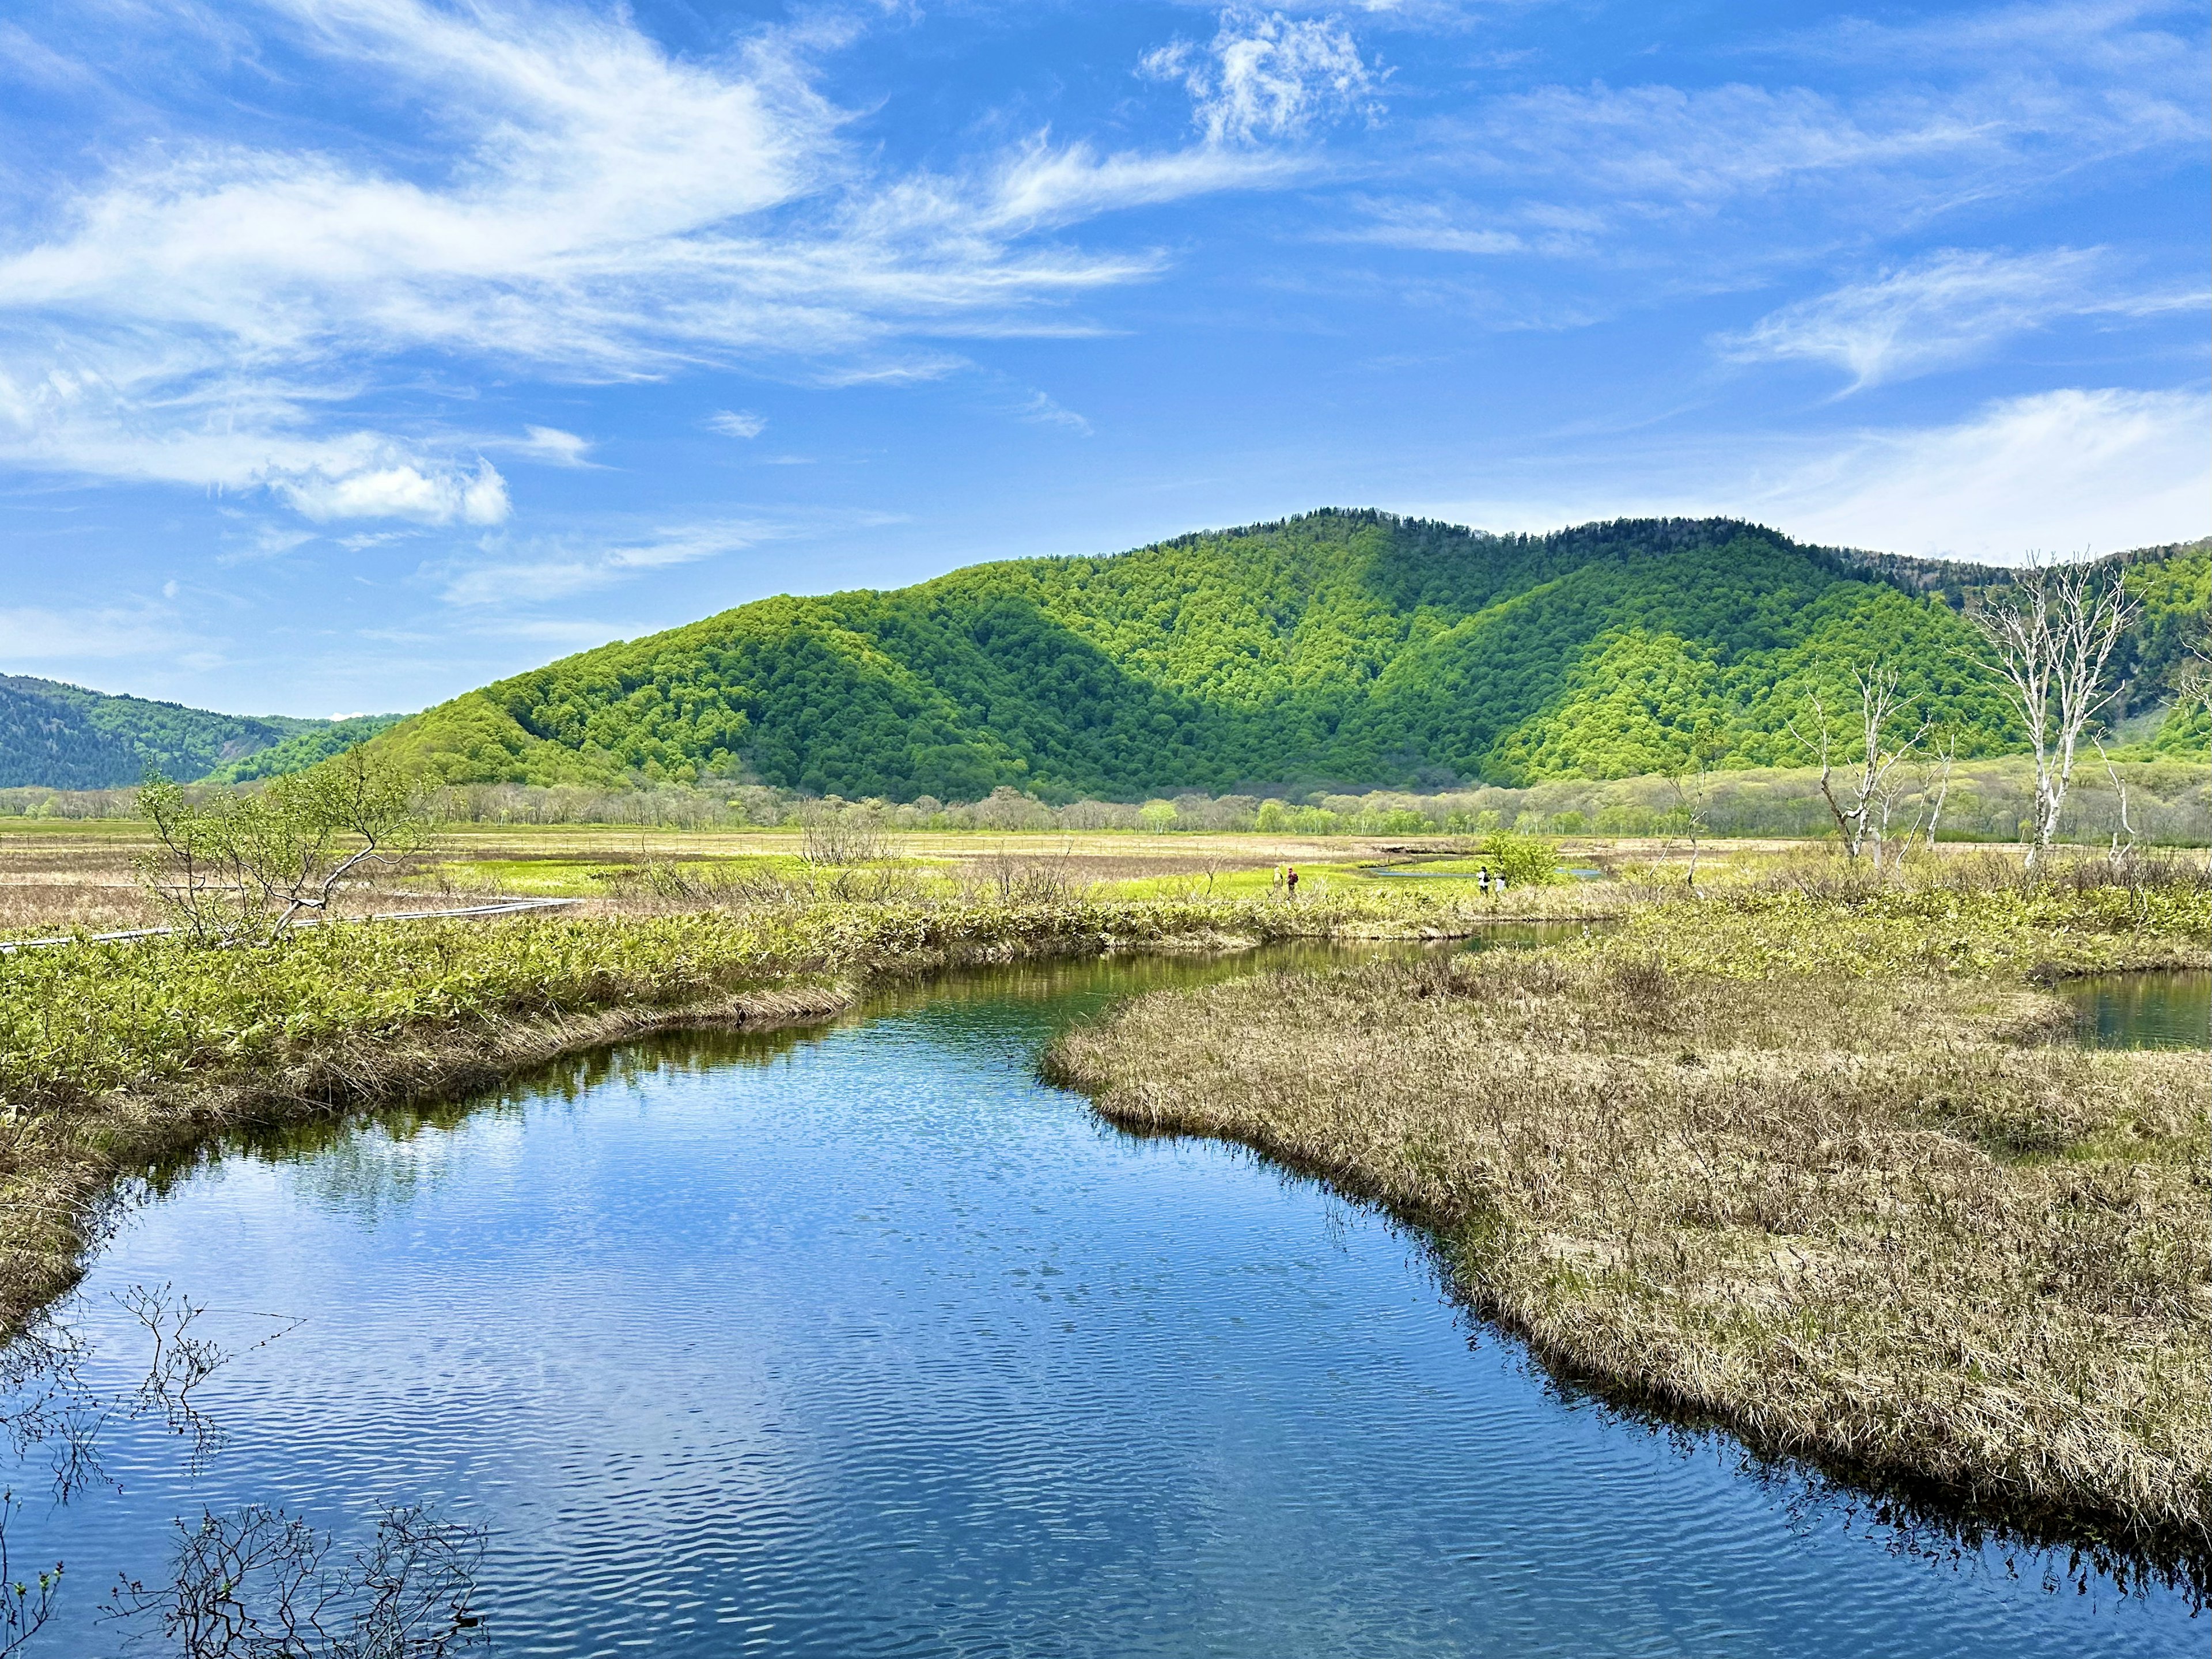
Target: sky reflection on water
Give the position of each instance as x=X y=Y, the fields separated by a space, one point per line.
x=864 y=1341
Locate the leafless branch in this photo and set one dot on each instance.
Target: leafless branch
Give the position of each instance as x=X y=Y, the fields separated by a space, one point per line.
x=2052 y=631
x=1864 y=805
x=259 y=1582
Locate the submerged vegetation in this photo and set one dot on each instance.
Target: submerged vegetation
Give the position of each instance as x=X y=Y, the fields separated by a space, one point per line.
x=1806 y=1163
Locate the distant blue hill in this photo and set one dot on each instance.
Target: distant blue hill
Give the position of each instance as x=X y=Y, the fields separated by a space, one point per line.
x=64 y=737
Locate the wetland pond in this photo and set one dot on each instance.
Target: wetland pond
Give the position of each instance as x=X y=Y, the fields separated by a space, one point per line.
x=859 y=1340
x=2165 y=1009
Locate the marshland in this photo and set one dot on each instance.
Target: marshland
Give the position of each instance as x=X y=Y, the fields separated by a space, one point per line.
x=1769 y=1169
x=1800 y=1180
x=818 y=837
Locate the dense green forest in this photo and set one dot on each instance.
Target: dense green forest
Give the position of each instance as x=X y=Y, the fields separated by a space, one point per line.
x=303 y=749
x=1351 y=646
x=64 y=737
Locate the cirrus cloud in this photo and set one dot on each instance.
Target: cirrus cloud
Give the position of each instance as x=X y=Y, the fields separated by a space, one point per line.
x=595 y=208
x=1949 y=307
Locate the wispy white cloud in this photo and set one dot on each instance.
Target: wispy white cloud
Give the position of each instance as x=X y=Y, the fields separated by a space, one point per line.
x=1267 y=75
x=600 y=210
x=1040 y=410
x=1047 y=184
x=737 y=423
x=1449 y=225
x=1999 y=123
x=1637 y=196
x=256 y=538
x=542 y=569
x=400 y=491
x=156 y=422
x=2056 y=472
x=36 y=634
x=1949 y=307
x=553 y=447
x=2128 y=41
x=2062 y=471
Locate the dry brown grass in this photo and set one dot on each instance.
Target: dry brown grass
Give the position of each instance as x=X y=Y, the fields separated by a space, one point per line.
x=60 y=883
x=86 y=879
x=1870 y=1221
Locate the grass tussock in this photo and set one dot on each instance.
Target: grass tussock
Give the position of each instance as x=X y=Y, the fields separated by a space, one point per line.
x=1866 y=1219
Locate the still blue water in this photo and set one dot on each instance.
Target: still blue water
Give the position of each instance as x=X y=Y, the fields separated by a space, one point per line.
x=864 y=1341
x=2164 y=1010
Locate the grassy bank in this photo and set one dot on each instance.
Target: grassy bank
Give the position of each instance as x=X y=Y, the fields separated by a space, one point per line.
x=116 y=1057
x=1977 y=915
x=1860 y=1212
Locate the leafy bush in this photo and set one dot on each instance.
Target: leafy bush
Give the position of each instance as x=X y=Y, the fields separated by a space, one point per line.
x=235 y=867
x=1523 y=861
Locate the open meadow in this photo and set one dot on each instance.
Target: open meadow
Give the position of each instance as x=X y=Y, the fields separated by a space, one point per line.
x=60 y=875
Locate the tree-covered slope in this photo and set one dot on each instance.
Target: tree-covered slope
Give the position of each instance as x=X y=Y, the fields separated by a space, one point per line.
x=1344 y=646
x=2174 y=585
x=64 y=737
x=302 y=750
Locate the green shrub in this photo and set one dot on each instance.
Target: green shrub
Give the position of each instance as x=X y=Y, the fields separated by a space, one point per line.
x=1523 y=861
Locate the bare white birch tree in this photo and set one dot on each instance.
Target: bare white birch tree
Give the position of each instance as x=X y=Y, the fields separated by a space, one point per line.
x=2123 y=835
x=2194 y=690
x=1935 y=788
x=2053 y=629
x=1871 y=784
x=1690 y=795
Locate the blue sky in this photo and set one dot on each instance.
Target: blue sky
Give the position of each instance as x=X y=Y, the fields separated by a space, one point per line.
x=354 y=352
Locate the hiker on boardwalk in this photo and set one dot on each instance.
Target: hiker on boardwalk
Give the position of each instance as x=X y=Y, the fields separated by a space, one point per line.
x=1291 y=878
x=1482 y=880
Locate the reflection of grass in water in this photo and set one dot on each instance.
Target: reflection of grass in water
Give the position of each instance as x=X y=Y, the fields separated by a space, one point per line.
x=369 y=1161
x=2171 y=1010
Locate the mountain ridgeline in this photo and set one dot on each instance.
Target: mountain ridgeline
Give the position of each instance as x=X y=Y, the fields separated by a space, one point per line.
x=1349 y=646
x=63 y=737
x=1343 y=648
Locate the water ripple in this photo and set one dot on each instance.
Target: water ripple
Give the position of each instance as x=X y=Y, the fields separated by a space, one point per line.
x=866 y=1343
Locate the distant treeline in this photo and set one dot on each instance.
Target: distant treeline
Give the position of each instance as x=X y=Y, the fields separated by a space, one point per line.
x=62 y=737
x=2169 y=802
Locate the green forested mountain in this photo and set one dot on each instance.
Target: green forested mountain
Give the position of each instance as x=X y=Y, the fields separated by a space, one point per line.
x=323 y=740
x=2175 y=587
x=67 y=738
x=1346 y=646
